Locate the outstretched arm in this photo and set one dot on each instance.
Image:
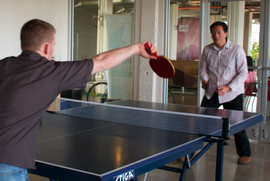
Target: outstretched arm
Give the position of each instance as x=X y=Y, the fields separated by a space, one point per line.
x=107 y=60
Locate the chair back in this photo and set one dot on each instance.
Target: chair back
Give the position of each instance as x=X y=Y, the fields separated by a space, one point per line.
x=182 y=79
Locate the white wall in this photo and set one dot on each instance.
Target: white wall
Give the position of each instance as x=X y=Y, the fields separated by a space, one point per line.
x=14 y=13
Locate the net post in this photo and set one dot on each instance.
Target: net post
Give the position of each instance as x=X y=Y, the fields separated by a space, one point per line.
x=225 y=128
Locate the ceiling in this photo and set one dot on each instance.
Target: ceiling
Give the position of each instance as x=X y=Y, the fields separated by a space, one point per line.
x=192 y=7
x=185 y=6
x=119 y=6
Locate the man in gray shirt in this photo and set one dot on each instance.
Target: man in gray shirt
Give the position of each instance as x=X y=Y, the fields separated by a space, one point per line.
x=30 y=83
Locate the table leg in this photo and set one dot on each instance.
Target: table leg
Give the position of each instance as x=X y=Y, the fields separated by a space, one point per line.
x=184 y=169
x=145 y=175
x=219 y=160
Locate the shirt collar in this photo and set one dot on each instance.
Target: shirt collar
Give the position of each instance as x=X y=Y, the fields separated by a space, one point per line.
x=31 y=54
x=227 y=45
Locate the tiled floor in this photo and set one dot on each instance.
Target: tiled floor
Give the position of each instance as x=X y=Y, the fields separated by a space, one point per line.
x=204 y=170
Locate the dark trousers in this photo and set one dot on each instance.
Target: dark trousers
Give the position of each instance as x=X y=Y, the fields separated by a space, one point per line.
x=240 y=138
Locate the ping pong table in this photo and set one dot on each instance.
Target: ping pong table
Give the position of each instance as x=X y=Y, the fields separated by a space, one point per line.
x=124 y=139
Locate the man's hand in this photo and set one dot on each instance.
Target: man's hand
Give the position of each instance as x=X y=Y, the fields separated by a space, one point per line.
x=204 y=84
x=143 y=52
x=223 y=90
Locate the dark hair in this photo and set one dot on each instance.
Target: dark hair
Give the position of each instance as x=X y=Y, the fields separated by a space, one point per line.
x=219 y=23
x=36 y=32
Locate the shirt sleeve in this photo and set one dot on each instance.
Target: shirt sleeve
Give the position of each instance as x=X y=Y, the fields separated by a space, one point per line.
x=203 y=73
x=241 y=69
x=75 y=74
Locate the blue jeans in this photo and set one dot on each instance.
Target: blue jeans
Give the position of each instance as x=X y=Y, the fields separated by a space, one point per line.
x=12 y=173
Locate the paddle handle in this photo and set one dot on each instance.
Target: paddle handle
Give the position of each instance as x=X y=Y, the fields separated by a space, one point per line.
x=148 y=49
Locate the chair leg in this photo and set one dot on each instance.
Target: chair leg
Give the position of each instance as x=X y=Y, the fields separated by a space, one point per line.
x=183 y=91
x=248 y=101
x=244 y=104
x=253 y=103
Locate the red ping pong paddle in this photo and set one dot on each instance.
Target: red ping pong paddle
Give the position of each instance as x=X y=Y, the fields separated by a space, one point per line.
x=161 y=66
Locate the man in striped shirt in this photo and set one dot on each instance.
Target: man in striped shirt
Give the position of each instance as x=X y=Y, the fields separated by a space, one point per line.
x=223 y=71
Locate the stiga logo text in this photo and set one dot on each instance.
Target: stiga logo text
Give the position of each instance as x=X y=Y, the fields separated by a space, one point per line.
x=125 y=176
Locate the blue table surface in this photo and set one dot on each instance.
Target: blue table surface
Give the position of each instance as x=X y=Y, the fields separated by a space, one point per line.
x=103 y=138
x=99 y=147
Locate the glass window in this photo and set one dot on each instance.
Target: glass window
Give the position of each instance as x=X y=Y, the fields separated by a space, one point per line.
x=101 y=26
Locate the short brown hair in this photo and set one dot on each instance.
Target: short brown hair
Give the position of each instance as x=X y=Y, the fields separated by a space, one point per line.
x=35 y=33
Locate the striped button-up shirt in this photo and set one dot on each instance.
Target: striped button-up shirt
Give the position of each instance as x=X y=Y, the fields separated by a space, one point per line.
x=224 y=67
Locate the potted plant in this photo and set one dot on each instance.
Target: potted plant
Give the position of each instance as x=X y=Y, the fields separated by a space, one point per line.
x=255 y=52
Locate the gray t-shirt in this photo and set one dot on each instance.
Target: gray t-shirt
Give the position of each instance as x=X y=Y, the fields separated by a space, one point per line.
x=29 y=83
